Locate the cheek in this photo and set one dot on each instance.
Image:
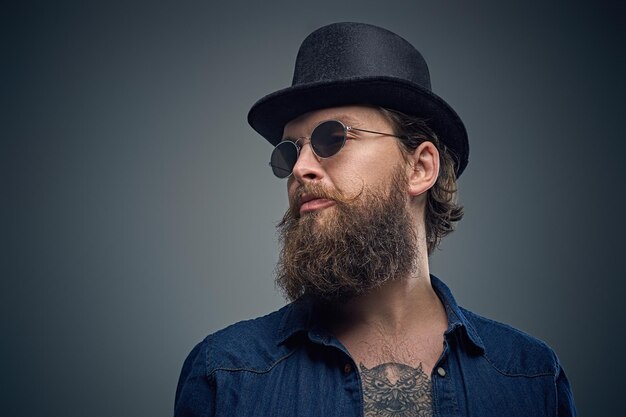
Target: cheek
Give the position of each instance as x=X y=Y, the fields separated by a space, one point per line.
x=292 y=186
x=370 y=165
x=351 y=179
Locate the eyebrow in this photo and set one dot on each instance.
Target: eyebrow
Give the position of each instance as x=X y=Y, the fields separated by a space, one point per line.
x=346 y=119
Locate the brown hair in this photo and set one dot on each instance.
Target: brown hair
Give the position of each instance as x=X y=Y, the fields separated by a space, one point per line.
x=442 y=210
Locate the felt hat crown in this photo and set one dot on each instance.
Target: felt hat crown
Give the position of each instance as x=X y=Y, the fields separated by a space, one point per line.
x=355 y=63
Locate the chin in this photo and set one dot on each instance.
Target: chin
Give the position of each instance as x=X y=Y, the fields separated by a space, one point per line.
x=321 y=216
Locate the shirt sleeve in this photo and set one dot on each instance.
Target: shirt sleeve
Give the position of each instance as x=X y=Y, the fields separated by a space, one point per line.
x=195 y=395
x=565 y=398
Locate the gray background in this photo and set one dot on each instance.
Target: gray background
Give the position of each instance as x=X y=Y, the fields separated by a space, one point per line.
x=139 y=211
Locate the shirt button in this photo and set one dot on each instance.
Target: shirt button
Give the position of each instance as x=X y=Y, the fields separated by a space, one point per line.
x=441 y=371
x=347 y=368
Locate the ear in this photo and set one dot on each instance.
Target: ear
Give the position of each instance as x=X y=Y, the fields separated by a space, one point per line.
x=424 y=168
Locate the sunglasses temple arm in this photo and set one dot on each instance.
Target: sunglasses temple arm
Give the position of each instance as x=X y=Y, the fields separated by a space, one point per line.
x=371 y=131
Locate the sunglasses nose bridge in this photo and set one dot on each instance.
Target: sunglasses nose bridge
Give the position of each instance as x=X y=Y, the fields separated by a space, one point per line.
x=301 y=145
x=308 y=163
x=300 y=142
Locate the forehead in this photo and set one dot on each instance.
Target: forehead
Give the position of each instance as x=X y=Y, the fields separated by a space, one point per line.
x=350 y=115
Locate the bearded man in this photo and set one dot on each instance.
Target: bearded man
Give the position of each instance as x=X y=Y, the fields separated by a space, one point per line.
x=371 y=158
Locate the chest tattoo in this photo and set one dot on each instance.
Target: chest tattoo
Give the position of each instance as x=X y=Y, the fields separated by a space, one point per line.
x=396 y=390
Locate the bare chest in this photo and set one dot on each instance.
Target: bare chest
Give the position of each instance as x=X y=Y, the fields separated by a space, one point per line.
x=396 y=389
x=395 y=375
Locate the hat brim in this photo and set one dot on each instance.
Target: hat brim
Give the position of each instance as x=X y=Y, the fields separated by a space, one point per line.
x=269 y=115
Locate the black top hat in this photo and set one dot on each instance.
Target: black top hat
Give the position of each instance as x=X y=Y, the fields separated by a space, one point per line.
x=355 y=63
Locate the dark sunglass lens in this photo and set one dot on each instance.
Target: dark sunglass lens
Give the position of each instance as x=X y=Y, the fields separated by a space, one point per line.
x=283 y=159
x=328 y=138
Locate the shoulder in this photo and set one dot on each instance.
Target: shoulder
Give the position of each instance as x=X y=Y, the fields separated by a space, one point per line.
x=246 y=345
x=512 y=351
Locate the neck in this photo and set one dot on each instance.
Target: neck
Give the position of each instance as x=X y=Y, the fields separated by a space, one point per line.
x=398 y=307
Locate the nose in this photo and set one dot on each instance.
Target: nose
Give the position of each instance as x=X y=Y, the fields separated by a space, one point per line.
x=307 y=167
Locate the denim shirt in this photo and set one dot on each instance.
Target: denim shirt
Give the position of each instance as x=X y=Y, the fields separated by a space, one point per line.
x=286 y=364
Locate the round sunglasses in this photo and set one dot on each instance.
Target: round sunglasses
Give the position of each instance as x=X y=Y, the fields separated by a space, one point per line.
x=327 y=138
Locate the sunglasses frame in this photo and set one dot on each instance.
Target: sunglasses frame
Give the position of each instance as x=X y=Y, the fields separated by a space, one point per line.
x=346 y=129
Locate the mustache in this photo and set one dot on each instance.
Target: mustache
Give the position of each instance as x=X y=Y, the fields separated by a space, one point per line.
x=317 y=190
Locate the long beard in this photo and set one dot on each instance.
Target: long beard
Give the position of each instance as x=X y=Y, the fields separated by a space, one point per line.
x=360 y=244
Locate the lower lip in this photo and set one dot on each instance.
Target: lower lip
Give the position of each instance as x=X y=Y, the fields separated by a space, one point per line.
x=317 y=204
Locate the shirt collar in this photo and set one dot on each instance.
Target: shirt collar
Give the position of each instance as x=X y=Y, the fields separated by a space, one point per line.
x=300 y=316
x=297 y=318
x=457 y=321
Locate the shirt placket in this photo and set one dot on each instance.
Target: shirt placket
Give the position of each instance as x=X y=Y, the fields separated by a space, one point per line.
x=443 y=387
x=351 y=379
